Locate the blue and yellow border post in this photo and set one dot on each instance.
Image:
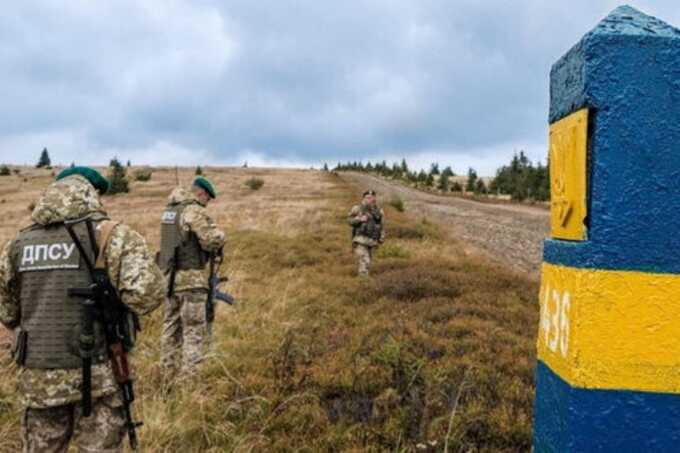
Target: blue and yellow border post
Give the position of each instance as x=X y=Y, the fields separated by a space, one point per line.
x=608 y=373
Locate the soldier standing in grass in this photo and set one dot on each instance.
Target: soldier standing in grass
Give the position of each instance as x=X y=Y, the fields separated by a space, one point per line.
x=71 y=372
x=188 y=238
x=367 y=221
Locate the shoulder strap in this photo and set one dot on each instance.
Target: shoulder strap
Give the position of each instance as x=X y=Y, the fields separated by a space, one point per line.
x=105 y=229
x=33 y=226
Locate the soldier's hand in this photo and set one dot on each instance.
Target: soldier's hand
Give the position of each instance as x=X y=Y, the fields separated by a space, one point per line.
x=363 y=218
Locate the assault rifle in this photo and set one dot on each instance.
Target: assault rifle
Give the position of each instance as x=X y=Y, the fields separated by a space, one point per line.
x=101 y=304
x=214 y=280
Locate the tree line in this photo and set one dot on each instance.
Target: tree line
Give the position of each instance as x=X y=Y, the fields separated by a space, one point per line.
x=521 y=179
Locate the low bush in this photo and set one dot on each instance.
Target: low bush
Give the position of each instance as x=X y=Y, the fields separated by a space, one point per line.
x=416 y=283
x=392 y=251
x=4 y=170
x=405 y=231
x=255 y=183
x=117 y=178
x=398 y=204
x=142 y=174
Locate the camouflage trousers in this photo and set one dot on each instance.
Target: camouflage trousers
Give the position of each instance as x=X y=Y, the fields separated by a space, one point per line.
x=364 y=254
x=186 y=334
x=52 y=429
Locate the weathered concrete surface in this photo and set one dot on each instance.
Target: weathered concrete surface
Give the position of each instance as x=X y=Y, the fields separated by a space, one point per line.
x=608 y=356
x=511 y=234
x=626 y=72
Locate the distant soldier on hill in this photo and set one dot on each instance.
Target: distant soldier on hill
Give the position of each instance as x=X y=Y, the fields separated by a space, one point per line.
x=71 y=287
x=190 y=239
x=367 y=221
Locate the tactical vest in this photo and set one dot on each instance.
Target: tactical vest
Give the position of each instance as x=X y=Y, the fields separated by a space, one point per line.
x=373 y=227
x=48 y=264
x=177 y=250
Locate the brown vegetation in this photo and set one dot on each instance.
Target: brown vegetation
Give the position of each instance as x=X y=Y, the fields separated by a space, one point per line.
x=437 y=348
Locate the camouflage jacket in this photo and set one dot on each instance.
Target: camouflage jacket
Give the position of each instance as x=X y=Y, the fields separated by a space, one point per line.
x=195 y=219
x=354 y=222
x=131 y=270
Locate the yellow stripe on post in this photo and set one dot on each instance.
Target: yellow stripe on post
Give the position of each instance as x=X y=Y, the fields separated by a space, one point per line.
x=611 y=329
x=568 y=151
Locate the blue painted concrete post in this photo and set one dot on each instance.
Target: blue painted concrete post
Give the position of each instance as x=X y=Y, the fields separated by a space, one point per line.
x=608 y=374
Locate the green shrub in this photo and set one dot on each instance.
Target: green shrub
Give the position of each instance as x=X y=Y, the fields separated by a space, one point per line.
x=143 y=174
x=4 y=170
x=392 y=251
x=404 y=231
x=199 y=171
x=414 y=284
x=398 y=204
x=255 y=183
x=117 y=178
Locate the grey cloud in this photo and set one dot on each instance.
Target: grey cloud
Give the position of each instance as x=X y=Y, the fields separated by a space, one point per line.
x=285 y=81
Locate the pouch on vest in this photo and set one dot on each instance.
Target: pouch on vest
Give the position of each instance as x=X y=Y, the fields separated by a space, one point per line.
x=19 y=347
x=373 y=227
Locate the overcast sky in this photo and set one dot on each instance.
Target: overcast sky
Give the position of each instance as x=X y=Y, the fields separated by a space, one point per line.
x=274 y=82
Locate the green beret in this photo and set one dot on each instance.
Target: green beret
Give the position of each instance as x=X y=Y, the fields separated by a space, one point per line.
x=93 y=176
x=204 y=184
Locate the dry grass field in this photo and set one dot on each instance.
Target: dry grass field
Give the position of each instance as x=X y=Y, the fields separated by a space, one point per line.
x=434 y=353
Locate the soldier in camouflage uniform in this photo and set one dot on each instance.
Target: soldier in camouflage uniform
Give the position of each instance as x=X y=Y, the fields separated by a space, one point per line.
x=188 y=236
x=36 y=269
x=367 y=221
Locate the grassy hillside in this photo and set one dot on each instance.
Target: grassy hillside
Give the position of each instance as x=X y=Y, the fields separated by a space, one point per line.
x=435 y=351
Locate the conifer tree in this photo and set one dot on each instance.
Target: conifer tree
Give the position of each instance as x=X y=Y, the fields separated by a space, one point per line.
x=44 y=161
x=443 y=183
x=471 y=181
